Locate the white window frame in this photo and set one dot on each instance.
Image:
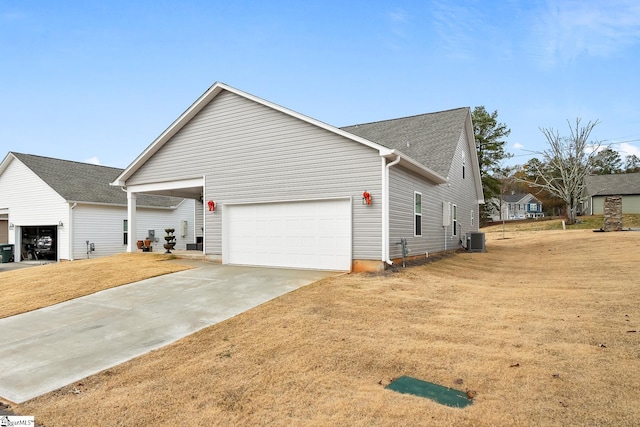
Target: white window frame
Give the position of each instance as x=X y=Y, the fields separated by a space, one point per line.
x=454 y=220
x=464 y=164
x=417 y=214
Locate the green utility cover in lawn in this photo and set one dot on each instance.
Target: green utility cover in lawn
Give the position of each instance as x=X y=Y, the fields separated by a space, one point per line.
x=444 y=395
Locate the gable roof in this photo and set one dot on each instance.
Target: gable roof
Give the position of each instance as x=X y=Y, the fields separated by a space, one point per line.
x=407 y=161
x=83 y=182
x=519 y=198
x=429 y=138
x=611 y=185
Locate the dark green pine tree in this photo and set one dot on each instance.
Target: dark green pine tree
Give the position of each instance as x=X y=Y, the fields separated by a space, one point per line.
x=490 y=144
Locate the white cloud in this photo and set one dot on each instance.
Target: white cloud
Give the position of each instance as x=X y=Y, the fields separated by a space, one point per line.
x=455 y=25
x=518 y=146
x=399 y=19
x=93 y=160
x=398 y=16
x=569 y=29
x=626 y=149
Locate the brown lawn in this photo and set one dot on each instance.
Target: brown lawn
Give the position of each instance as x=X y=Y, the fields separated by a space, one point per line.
x=36 y=287
x=542 y=327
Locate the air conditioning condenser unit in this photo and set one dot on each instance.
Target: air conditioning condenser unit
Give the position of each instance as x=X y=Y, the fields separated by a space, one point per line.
x=475 y=242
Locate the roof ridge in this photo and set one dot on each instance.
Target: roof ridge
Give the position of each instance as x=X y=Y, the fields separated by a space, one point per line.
x=65 y=160
x=405 y=117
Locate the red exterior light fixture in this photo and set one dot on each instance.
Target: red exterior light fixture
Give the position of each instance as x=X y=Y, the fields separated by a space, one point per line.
x=366 y=198
x=212 y=205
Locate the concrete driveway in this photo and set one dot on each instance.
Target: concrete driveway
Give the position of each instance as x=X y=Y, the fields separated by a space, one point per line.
x=8 y=266
x=46 y=349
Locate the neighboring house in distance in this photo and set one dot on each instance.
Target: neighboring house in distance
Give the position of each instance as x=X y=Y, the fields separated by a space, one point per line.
x=282 y=189
x=516 y=206
x=59 y=205
x=597 y=187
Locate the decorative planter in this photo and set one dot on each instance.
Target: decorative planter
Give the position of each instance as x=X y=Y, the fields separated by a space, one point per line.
x=170 y=239
x=140 y=244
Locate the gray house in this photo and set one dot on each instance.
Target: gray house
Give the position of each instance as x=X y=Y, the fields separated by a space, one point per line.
x=55 y=209
x=597 y=187
x=278 y=188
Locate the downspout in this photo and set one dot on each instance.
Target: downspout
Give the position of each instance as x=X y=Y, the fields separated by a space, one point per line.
x=386 y=210
x=70 y=236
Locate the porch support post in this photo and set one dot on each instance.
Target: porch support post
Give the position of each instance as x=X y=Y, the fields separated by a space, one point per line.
x=131 y=222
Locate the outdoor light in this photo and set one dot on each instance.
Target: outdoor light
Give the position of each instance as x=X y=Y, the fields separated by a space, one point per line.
x=10 y=226
x=366 y=198
x=60 y=224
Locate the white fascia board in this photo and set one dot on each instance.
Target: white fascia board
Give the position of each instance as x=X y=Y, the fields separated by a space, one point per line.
x=417 y=167
x=166 y=185
x=119 y=205
x=474 y=158
x=5 y=163
x=207 y=97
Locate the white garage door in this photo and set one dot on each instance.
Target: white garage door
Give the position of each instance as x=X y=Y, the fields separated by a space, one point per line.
x=311 y=234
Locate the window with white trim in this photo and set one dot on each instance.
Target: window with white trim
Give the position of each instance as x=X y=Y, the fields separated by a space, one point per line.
x=125 y=231
x=464 y=163
x=417 y=213
x=454 y=219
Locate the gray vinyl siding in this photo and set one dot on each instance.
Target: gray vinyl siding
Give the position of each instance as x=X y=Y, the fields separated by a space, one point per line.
x=435 y=237
x=250 y=153
x=103 y=226
x=598 y=205
x=630 y=204
x=100 y=225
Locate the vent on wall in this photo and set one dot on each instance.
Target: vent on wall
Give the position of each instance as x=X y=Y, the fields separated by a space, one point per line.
x=475 y=242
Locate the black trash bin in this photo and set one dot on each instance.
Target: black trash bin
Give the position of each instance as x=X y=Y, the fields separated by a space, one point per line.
x=6 y=253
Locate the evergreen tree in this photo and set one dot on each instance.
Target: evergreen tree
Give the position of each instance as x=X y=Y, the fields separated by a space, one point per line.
x=490 y=144
x=632 y=164
x=606 y=162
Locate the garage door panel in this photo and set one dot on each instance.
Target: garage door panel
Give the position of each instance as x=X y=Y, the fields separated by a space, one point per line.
x=314 y=234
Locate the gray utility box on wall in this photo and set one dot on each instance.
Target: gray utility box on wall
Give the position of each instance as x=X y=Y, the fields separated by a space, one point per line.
x=475 y=242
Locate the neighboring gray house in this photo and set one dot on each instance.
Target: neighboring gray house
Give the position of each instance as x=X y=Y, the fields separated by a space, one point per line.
x=51 y=208
x=283 y=189
x=597 y=187
x=516 y=206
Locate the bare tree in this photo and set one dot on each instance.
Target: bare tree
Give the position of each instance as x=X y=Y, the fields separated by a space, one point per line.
x=566 y=163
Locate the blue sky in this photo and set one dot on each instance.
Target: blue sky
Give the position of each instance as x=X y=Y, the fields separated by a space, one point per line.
x=98 y=81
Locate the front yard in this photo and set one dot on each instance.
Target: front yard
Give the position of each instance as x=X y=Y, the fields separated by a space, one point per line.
x=544 y=327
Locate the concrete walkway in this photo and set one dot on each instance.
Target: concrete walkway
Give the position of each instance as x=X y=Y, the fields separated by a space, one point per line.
x=46 y=349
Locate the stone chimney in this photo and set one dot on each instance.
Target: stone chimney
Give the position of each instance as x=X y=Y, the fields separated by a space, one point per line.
x=613 y=213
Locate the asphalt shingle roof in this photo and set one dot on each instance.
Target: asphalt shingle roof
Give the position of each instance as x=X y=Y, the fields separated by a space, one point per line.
x=84 y=182
x=611 y=185
x=430 y=138
x=513 y=198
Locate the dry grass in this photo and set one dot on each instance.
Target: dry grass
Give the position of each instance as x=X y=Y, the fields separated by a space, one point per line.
x=36 y=287
x=591 y=222
x=538 y=326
